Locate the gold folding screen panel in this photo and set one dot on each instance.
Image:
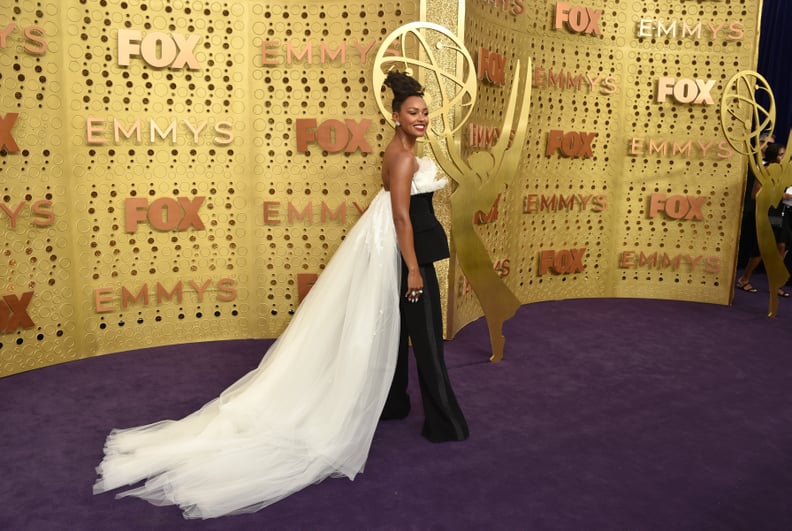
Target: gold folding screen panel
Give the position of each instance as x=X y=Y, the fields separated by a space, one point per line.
x=178 y=171
x=628 y=187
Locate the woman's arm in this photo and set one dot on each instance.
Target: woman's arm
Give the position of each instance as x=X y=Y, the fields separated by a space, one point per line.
x=401 y=169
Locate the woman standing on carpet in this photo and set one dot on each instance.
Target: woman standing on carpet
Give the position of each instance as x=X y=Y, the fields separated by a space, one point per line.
x=422 y=241
x=309 y=410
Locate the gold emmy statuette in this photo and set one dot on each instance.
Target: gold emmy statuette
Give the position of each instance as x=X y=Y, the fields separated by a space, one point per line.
x=484 y=174
x=743 y=120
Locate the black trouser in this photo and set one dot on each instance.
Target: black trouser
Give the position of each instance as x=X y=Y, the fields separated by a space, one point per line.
x=422 y=323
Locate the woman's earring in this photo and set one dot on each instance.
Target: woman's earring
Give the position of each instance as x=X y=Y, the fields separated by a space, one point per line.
x=397 y=124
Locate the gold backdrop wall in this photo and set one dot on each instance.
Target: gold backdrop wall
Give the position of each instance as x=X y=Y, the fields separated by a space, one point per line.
x=620 y=194
x=177 y=171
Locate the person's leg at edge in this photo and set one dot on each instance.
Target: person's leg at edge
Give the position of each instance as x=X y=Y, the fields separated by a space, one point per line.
x=744 y=282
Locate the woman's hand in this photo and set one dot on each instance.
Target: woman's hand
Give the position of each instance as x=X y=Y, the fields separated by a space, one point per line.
x=414 y=286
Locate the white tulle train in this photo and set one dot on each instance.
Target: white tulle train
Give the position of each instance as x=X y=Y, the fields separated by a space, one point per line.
x=307 y=412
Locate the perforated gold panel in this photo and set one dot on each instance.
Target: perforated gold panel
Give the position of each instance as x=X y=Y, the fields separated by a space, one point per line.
x=184 y=168
x=37 y=310
x=628 y=187
x=177 y=171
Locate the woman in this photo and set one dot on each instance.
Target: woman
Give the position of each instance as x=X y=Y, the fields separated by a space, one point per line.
x=773 y=154
x=309 y=410
x=422 y=241
x=786 y=205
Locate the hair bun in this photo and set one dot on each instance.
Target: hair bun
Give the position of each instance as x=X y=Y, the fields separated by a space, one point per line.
x=403 y=86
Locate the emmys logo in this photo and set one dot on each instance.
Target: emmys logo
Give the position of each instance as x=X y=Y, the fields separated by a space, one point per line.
x=677 y=206
x=547 y=78
x=515 y=7
x=583 y=20
x=320 y=52
x=160 y=50
x=649 y=28
x=43 y=216
x=573 y=145
x=333 y=135
x=563 y=262
x=105 y=299
x=7 y=141
x=34 y=37
x=483 y=136
x=664 y=261
x=13 y=312
x=165 y=214
x=307 y=215
x=533 y=203
x=682 y=148
x=97 y=131
x=695 y=91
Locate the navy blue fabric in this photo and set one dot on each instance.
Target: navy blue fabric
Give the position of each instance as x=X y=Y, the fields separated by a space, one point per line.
x=775 y=53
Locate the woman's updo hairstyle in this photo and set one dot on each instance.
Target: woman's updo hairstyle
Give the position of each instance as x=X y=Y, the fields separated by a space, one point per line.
x=403 y=86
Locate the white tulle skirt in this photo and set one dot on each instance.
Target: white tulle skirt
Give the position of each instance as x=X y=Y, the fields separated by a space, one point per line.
x=308 y=411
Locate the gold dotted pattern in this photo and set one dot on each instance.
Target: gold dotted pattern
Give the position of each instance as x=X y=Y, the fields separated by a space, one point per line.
x=263 y=201
x=626 y=180
x=220 y=139
x=314 y=197
x=181 y=166
x=35 y=253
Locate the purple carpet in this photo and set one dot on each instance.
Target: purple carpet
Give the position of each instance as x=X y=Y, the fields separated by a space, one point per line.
x=604 y=415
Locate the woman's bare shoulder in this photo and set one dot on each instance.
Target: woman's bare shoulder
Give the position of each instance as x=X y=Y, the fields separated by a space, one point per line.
x=399 y=159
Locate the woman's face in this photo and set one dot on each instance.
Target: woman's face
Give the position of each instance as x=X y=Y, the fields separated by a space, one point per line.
x=413 y=116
